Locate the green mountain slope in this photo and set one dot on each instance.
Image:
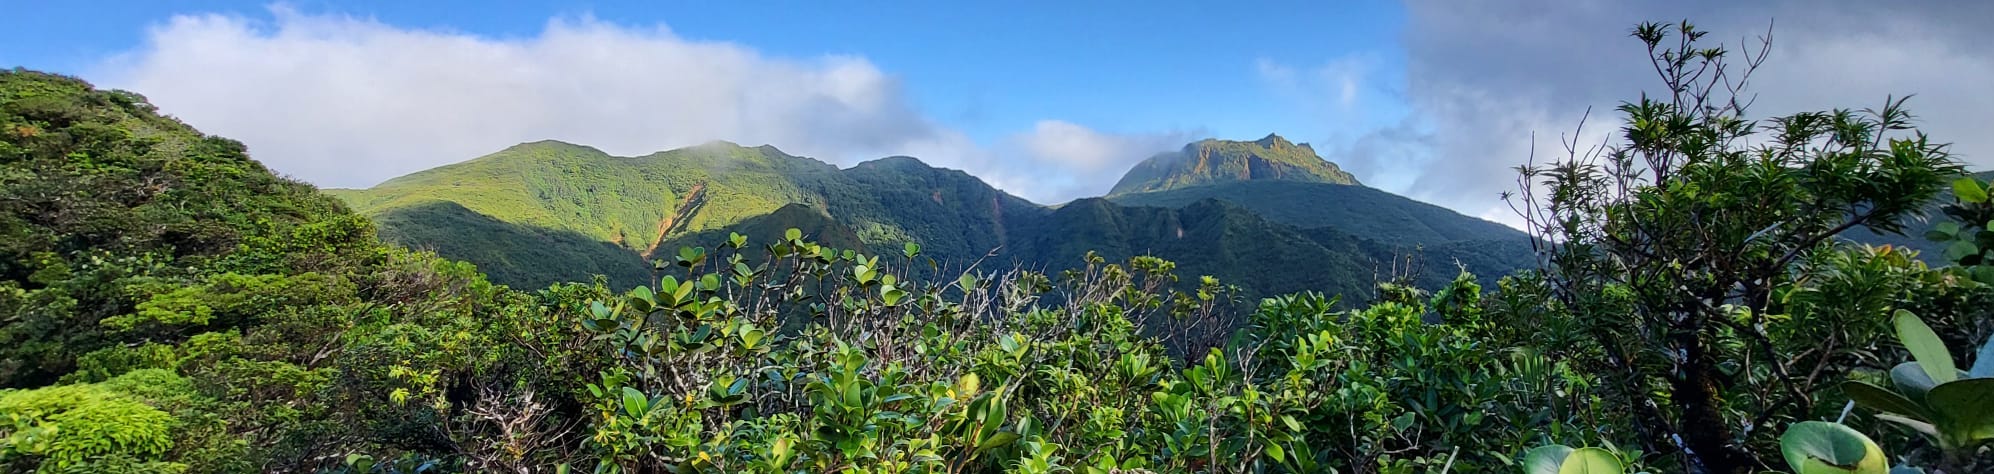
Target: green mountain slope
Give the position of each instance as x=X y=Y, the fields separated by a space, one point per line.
x=508 y=252
x=1296 y=223
x=628 y=201
x=1356 y=210
x=1218 y=161
x=891 y=201
x=116 y=222
x=1205 y=238
x=1915 y=228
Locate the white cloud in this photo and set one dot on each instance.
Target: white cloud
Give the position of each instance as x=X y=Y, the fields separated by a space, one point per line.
x=1482 y=78
x=1078 y=161
x=347 y=102
x=1056 y=161
x=1083 y=149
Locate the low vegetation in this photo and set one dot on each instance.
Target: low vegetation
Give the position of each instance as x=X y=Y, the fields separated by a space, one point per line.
x=169 y=305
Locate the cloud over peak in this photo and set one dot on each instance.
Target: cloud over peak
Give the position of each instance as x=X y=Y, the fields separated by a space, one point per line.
x=1483 y=79
x=348 y=102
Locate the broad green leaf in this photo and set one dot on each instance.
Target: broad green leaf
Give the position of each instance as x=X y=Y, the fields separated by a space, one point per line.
x=1967 y=408
x=1925 y=347
x=1947 y=227
x=1819 y=447
x=1969 y=190
x=1545 y=459
x=792 y=234
x=360 y=462
x=1591 y=461
x=634 y=403
x=1881 y=399
x=997 y=440
x=851 y=395
x=641 y=299
x=967 y=385
x=1960 y=249
x=780 y=452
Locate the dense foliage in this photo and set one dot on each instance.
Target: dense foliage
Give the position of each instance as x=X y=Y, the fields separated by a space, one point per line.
x=168 y=305
x=1694 y=256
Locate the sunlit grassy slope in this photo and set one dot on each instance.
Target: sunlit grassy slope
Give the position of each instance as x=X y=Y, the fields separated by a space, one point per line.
x=543 y=212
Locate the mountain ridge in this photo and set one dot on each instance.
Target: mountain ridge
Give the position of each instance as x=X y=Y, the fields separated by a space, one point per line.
x=1212 y=161
x=553 y=194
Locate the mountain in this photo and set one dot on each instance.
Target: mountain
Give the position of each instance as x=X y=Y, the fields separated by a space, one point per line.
x=523 y=212
x=1267 y=215
x=1358 y=210
x=1219 y=161
x=1916 y=226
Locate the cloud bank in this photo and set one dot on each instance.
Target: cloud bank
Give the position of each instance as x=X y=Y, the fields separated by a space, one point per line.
x=341 y=101
x=1482 y=77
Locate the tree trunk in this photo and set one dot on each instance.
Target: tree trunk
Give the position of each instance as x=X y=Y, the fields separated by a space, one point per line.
x=1702 y=424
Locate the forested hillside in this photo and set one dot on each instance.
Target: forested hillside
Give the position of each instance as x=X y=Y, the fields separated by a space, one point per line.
x=168 y=305
x=549 y=212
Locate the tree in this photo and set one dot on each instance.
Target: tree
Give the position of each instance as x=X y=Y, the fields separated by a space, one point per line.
x=1668 y=242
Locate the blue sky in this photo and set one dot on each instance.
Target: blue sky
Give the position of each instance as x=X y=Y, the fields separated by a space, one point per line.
x=988 y=69
x=1051 y=101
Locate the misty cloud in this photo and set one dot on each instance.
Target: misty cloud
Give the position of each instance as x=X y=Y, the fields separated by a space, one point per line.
x=348 y=102
x=1481 y=78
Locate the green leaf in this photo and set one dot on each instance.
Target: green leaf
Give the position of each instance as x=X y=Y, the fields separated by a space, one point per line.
x=642 y=299
x=1591 y=461
x=1947 y=227
x=792 y=234
x=360 y=462
x=780 y=452
x=1969 y=190
x=1967 y=406
x=1914 y=425
x=1274 y=452
x=1819 y=447
x=634 y=403
x=1402 y=422
x=911 y=249
x=1545 y=459
x=997 y=440
x=1961 y=249
x=1878 y=398
x=1925 y=347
